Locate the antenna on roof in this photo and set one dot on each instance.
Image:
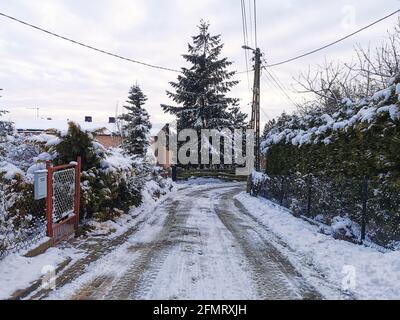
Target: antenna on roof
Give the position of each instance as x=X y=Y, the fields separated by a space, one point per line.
x=37 y=111
x=117 y=122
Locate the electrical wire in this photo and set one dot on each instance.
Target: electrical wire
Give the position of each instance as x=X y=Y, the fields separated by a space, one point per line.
x=245 y=40
x=273 y=75
x=270 y=77
x=250 y=23
x=255 y=23
x=332 y=43
x=88 y=46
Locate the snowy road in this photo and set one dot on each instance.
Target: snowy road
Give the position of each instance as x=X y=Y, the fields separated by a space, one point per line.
x=198 y=244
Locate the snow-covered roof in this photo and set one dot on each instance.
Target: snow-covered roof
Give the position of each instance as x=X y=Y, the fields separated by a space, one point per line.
x=61 y=124
x=42 y=124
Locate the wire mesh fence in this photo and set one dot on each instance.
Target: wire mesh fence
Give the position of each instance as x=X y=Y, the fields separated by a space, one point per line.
x=63 y=193
x=22 y=221
x=373 y=204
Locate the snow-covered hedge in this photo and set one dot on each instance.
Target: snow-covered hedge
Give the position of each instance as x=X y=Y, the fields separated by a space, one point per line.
x=361 y=139
x=111 y=183
x=298 y=130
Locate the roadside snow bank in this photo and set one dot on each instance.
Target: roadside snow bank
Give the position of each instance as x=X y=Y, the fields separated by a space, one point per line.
x=17 y=271
x=377 y=275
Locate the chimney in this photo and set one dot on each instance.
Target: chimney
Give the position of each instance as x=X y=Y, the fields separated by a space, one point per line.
x=111 y=119
x=88 y=119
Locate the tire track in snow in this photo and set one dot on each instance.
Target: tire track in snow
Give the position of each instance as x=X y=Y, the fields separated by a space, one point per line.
x=276 y=278
x=207 y=247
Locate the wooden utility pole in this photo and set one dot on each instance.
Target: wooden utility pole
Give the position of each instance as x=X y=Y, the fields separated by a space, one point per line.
x=255 y=116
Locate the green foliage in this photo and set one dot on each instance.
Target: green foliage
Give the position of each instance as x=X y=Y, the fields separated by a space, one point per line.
x=365 y=143
x=77 y=143
x=20 y=214
x=200 y=91
x=136 y=124
x=105 y=193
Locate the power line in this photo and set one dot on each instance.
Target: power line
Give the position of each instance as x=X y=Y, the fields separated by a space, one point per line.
x=332 y=43
x=265 y=114
x=88 y=46
x=273 y=75
x=245 y=40
x=279 y=87
x=244 y=71
x=255 y=23
x=250 y=23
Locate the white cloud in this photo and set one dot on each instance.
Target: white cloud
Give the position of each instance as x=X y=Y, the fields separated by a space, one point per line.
x=62 y=78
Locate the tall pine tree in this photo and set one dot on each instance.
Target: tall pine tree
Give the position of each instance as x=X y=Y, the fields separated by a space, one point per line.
x=136 y=124
x=201 y=89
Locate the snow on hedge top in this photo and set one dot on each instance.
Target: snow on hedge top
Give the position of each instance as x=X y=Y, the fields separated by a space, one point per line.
x=258 y=177
x=116 y=161
x=47 y=139
x=297 y=130
x=9 y=171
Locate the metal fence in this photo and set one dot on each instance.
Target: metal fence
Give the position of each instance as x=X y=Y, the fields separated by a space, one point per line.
x=226 y=172
x=22 y=221
x=373 y=204
x=63 y=197
x=63 y=193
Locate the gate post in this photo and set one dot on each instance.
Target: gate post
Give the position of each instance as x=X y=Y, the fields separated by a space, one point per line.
x=77 y=190
x=49 y=199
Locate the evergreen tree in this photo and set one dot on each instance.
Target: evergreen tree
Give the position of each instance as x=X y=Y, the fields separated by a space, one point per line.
x=136 y=124
x=237 y=118
x=201 y=89
x=77 y=143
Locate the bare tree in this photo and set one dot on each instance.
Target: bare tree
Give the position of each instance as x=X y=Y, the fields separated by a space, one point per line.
x=328 y=85
x=333 y=81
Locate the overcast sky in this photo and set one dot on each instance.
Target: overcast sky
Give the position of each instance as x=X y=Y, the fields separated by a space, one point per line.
x=68 y=81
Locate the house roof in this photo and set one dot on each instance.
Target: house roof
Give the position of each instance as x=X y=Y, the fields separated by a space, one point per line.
x=40 y=124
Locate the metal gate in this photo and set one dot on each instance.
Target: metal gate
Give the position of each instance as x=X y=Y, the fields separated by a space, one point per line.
x=63 y=198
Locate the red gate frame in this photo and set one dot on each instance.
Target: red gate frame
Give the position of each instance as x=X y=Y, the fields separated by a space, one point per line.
x=54 y=230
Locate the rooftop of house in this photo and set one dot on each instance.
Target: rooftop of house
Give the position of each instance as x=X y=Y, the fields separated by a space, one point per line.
x=43 y=124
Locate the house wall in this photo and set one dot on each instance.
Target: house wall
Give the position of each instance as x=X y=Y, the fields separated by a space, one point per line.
x=109 y=141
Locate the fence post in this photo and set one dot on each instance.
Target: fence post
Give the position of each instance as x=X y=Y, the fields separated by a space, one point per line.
x=364 y=200
x=77 y=190
x=173 y=172
x=282 y=190
x=309 y=190
x=49 y=199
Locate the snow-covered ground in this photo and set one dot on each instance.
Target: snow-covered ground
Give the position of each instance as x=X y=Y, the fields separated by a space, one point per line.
x=200 y=242
x=365 y=273
x=195 y=245
x=179 y=253
x=19 y=272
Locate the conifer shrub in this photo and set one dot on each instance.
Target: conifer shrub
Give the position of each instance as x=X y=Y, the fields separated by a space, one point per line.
x=109 y=181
